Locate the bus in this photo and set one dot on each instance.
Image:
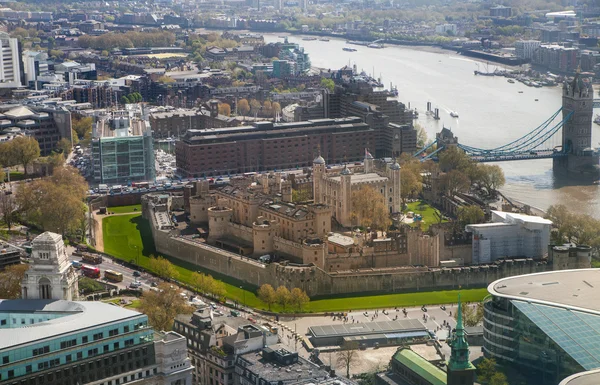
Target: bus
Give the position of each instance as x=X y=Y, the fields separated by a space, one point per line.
x=113 y=276
x=141 y=184
x=90 y=258
x=90 y=271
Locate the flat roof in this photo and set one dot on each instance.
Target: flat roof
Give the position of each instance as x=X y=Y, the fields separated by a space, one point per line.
x=363 y=178
x=584 y=378
x=385 y=327
x=73 y=316
x=573 y=289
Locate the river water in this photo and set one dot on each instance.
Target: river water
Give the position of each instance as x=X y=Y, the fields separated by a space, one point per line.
x=491 y=111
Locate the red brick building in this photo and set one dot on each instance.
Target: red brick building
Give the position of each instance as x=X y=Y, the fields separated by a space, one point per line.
x=269 y=146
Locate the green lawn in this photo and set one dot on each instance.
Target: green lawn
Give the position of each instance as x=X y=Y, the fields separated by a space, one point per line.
x=426 y=211
x=123 y=233
x=125 y=209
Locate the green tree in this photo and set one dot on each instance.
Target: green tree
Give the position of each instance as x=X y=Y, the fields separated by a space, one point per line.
x=468 y=215
x=328 y=83
x=82 y=126
x=421 y=135
x=64 y=145
x=472 y=316
x=498 y=379
x=10 y=281
x=301 y=195
x=125 y=99
x=163 y=268
x=299 y=298
x=283 y=296
x=486 y=369
x=267 y=294
x=22 y=150
x=455 y=182
x=492 y=177
x=453 y=158
x=163 y=305
x=8 y=209
x=369 y=208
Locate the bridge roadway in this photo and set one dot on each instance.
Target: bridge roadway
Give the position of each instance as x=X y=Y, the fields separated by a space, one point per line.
x=544 y=154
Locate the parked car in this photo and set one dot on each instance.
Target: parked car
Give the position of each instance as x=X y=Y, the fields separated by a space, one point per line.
x=137 y=274
x=135 y=285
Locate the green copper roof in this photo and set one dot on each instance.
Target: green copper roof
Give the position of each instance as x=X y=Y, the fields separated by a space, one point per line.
x=423 y=368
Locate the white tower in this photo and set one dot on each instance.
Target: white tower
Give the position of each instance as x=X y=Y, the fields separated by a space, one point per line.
x=368 y=162
x=50 y=274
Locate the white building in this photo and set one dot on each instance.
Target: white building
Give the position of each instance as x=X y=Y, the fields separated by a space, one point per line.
x=10 y=67
x=525 y=49
x=443 y=29
x=50 y=274
x=510 y=235
x=34 y=64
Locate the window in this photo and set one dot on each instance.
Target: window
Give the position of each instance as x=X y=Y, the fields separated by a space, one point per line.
x=79 y=355
x=98 y=336
x=84 y=339
x=113 y=332
x=28 y=369
x=42 y=350
x=116 y=345
x=11 y=373
x=68 y=358
x=5 y=360
x=126 y=329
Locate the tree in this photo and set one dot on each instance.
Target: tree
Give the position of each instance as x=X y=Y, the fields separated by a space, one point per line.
x=276 y=107
x=65 y=146
x=492 y=177
x=243 y=107
x=468 y=215
x=2 y=174
x=165 y=79
x=454 y=182
x=328 y=84
x=224 y=109
x=421 y=135
x=347 y=355
x=369 y=208
x=454 y=158
x=301 y=195
x=22 y=150
x=163 y=305
x=472 y=316
x=163 y=268
x=498 y=379
x=218 y=289
x=10 y=281
x=255 y=106
x=54 y=203
x=283 y=296
x=267 y=294
x=125 y=99
x=82 y=126
x=412 y=181
x=486 y=369
x=299 y=298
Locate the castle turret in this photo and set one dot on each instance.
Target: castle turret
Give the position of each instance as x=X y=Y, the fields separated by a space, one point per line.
x=314 y=251
x=345 y=197
x=369 y=162
x=263 y=232
x=318 y=173
x=322 y=222
x=395 y=206
x=286 y=191
x=460 y=370
x=219 y=217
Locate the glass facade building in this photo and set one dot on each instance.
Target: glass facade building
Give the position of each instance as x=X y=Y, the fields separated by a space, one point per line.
x=66 y=342
x=123 y=151
x=529 y=327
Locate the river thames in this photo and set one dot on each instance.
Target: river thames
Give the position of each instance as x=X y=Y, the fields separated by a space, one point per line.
x=491 y=111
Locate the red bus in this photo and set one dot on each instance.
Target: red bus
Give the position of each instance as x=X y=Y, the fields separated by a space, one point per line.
x=91 y=272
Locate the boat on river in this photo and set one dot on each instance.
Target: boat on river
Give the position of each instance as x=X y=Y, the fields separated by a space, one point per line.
x=349 y=49
x=323 y=39
x=510 y=81
x=454 y=114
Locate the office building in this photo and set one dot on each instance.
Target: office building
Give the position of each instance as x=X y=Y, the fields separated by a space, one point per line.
x=48 y=338
x=446 y=29
x=525 y=49
x=35 y=63
x=214 y=342
x=122 y=149
x=545 y=325
x=556 y=57
x=510 y=235
x=268 y=146
x=10 y=62
x=500 y=11
x=174 y=122
x=47 y=124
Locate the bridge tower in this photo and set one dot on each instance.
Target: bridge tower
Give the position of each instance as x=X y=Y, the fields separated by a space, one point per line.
x=578 y=97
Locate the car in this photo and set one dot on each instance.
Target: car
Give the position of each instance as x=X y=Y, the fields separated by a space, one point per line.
x=137 y=274
x=135 y=285
x=154 y=284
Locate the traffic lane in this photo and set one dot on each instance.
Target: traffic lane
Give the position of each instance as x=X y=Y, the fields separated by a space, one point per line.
x=128 y=278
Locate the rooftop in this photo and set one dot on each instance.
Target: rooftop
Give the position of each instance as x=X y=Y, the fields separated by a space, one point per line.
x=71 y=316
x=423 y=368
x=573 y=289
x=585 y=378
x=387 y=327
x=363 y=178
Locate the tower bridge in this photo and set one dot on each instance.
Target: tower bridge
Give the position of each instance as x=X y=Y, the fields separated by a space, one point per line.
x=568 y=142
